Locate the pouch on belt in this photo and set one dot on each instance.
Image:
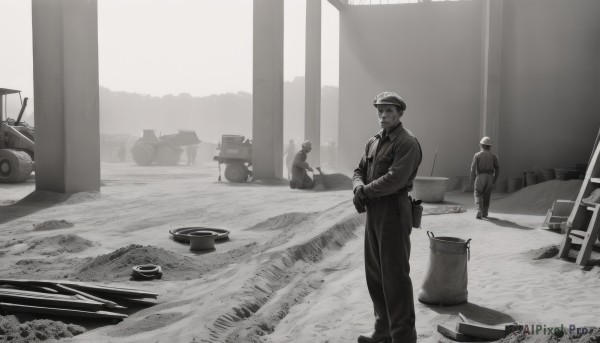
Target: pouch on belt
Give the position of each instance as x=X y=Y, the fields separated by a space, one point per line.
x=417 y=212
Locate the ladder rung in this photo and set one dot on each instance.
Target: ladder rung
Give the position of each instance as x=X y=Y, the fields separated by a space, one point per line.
x=595 y=179
x=578 y=233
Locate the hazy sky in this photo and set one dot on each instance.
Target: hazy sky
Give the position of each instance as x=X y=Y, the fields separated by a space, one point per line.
x=158 y=47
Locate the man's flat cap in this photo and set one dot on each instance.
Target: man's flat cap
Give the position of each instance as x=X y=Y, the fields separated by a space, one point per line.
x=390 y=98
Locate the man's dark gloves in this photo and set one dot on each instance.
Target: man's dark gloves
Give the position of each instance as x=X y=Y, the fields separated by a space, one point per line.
x=360 y=199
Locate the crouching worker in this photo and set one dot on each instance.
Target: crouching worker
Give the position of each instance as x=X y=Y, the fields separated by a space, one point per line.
x=485 y=171
x=300 y=178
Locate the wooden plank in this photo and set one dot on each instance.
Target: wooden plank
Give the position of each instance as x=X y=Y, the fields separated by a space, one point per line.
x=482 y=331
x=115 y=291
x=595 y=179
x=447 y=331
x=61 y=311
x=41 y=289
x=463 y=317
x=578 y=233
x=107 y=303
x=590 y=238
x=35 y=294
x=50 y=299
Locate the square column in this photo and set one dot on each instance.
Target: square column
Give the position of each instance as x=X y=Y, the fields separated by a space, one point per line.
x=312 y=90
x=66 y=91
x=492 y=70
x=267 y=90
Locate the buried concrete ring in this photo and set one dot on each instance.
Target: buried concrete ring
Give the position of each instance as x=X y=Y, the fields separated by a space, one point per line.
x=183 y=234
x=202 y=240
x=429 y=188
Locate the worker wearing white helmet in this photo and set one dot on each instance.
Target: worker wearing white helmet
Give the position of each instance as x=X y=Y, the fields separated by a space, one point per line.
x=300 y=178
x=485 y=170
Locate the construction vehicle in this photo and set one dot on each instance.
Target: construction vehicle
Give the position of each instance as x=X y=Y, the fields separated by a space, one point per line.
x=164 y=150
x=16 y=142
x=236 y=153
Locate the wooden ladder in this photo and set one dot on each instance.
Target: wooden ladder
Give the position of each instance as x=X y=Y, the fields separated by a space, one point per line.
x=584 y=221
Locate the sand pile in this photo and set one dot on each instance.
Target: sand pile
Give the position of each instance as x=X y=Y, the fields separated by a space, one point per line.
x=546 y=252
x=38 y=197
x=537 y=199
x=53 y=225
x=281 y=222
x=56 y=245
x=119 y=263
x=268 y=296
x=337 y=182
x=36 y=330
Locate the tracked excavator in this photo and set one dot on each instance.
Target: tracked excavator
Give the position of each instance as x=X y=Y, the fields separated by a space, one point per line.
x=16 y=142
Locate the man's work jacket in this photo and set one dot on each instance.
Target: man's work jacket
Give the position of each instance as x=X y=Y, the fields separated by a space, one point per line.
x=389 y=164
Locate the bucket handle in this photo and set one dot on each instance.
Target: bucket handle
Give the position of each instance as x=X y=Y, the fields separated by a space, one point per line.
x=430 y=234
x=468 y=246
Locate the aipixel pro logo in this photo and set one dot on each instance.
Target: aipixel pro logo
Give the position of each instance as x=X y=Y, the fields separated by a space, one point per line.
x=542 y=329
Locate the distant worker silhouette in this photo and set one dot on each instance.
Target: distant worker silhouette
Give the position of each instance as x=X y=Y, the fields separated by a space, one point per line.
x=191 y=151
x=485 y=170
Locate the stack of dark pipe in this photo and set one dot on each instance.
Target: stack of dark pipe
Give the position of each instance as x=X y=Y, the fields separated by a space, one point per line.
x=71 y=299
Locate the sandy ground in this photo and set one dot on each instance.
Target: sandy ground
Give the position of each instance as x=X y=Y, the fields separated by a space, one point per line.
x=292 y=270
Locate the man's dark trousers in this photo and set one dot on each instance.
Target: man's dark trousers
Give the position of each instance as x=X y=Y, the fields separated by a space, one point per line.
x=387 y=240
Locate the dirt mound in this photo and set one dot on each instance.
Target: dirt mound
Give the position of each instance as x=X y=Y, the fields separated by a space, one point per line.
x=537 y=199
x=119 y=263
x=53 y=225
x=282 y=222
x=36 y=330
x=37 y=197
x=546 y=252
x=337 y=181
x=251 y=320
x=56 y=245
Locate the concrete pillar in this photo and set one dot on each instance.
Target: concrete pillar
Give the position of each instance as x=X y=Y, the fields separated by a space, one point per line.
x=267 y=90
x=312 y=100
x=65 y=70
x=492 y=70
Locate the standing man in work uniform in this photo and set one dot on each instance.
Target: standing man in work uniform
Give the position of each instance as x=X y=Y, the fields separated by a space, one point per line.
x=381 y=184
x=485 y=170
x=300 y=178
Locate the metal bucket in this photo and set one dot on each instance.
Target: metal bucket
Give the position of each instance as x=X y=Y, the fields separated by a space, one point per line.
x=445 y=280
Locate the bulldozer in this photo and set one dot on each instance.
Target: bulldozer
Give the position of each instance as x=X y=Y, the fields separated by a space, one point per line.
x=163 y=150
x=16 y=142
x=235 y=152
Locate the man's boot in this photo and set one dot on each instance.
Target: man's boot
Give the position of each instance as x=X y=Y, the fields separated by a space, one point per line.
x=374 y=337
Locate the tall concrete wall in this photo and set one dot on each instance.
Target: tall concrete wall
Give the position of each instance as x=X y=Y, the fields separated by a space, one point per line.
x=547 y=80
x=431 y=54
x=550 y=103
x=65 y=64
